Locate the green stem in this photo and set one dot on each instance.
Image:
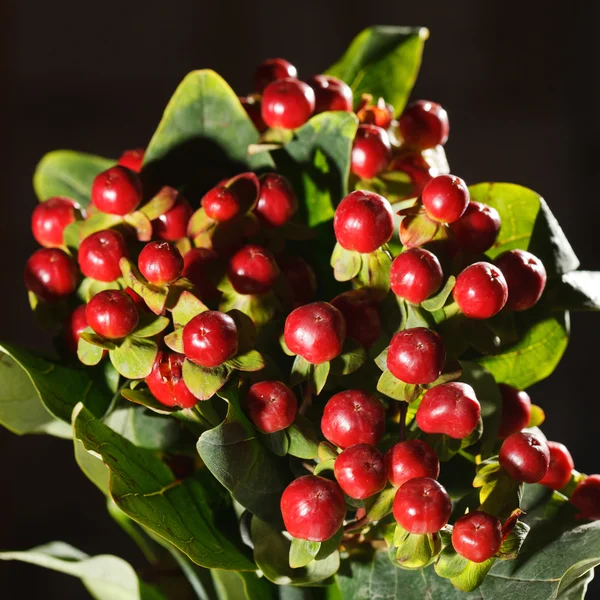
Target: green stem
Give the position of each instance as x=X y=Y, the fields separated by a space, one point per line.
x=468 y=456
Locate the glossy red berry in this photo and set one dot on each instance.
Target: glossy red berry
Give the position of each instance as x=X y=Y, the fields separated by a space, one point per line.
x=477 y=229
x=360 y=471
x=525 y=456
x=166 y=381
x=271 y=70
x=449 y=408
x=112 y=314
x=277 y=202
x=423 y=125
x=300 y=277
x=560 y=468
x=74 y=325
x=480 y=291
x=271 y=406
x=100 y=253
x=251 y=105
x=316 y=332
x=415 y=275
x=363 y=222
x=50 y=218
x=422 y=505
x=287 y=103
x=160 y=263
x=371 y=151
x=172 y=225
x=221 y=204
x=252 y=270
x=117 y=191
x=51 y=274
x=353 y=417
x=525 y=277
x=210 y=339
x=133 y=159
x=361 y=313
x=477 y=536
x=416 y=355
x=313 y=508
x=586 y=498
x=516 y=410
x=445 y=198
x=410 y=459
x=330 y=93
x=197 y=267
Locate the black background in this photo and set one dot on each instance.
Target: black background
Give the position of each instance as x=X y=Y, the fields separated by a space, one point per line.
x=520 y=83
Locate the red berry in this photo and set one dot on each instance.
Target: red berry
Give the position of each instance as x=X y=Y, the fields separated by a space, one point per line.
x=51 y=274
x=477 y=536
x=560 y=468
x=166 y=381
x=411 y=459
x=363 y=222
x=422 y=505
x=415 y=275
x=197 y=267
x=133 y=159
x=316 y=332
x=251 y=105
x=300 y=277
x=586 y=498
x=271 y=406
x=277 y=201
x=210 y=339
x=371 y=151
x=525 y=457
x=221 y=204
x=353 y=417
x=416 y=167
x=445 y=198
x=117 y=191
x=172 y=225
x=74 y=325
x=112 y=314
x=477 y=230
x=138 y=300
x=50 y=218
x=271 y=70
x=525 y=277
x=480 y=291
x=330 y=93
x=361 y=313
x=424 y=125
x=287 y=103
x=252 y=270
x=451 y=409
x=416 y=355
x=160 y=263
x=516 y=410
x=360 y=471
x=100 y=253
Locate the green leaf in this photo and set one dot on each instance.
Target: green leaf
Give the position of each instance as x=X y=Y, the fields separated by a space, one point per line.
x=346 y=263
x=303 y=439
x=250 y=361
x=537 y=416
x=150 y=325
x=320 y=374
x=511 y=546
x=450 y=563
x=68 y=173
x=161 y=203
x=93 y=338
x=240 y=585
x=92 y=467
x=473 y=575
x=396 y=389
x=186 y=308
x=375 y=272
x=384 y=62
x=381 y=505
x=436 y=302
x=445 y=446
x=89 y=354
x=134 y=357
x=302 y=552
x=578 y=290
x=500 y=495
x=278 y=442
x=415 y=551
x=145 y=398
x=301 y=371
x=174 y=340
x=260 y=309
x=324 y=465
x=155 y=297
x=202 y=382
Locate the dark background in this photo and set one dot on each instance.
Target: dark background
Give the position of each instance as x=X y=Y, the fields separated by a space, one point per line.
x=520 y=83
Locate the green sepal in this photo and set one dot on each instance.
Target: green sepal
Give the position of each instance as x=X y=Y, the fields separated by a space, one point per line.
x=351 y=359
x=303 y=439
x=250 y=361
x=301 y=371
x=415 y=551
x=374 y=273
x=346 y=263
x=320 y=373
x=145 y=398
x=417 y=229
x=450 y=563
x=500 y=494
x=303 y=552
x=513 y=542
x=160 y=203
x=134 y=357
x=174 y=341
x=537 y=416
x=328 y=547
x=326 y=451
x=324 y=465
x=473 y=575
x=89 y=287
x=380 y=506
x=142 y=225
x=278 y=442
x=445 y=447
x=204 y=383
x=93 y=338
x=186 y=308
x=89 y=354
x=437 y=302
x=155 y=297
x=396 y=389
x=260 y=309
x=150 y=325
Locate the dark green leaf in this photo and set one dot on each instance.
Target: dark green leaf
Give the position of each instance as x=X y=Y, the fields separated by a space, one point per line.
x=278 y=443
x=303 y=438
x=302 y=552
x=351 y=359
x=202 y=382
x=134 y=357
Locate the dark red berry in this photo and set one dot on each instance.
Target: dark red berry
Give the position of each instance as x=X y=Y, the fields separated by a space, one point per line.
x=516 y=410
x=477 y=230
x=445 y=198
x=51 y=274
x=525 y=277
x=411 y=459
x=477 y=536
x=586 y=498
x=271 y=70
x=210 y=339
x=251 y=105
x=197 y=266
x=416 y=355
x=100 y=253
x=74 y=325
x=371 y=151
x=415 y=275
x=160 y=263
x=360 y=471
x=287 y=103
x=300 y=277
x=50 y=218
x=363 y=222
x=560 y=468
x=271 y=406
x=252 y=270
x=480 y=291
x=423 y=125
x=313 y=508
x=117 y=191
x=361 y=313
x=277 y=201
x=353 y=417
x=525 y=456
x=172 y=225
x=166 y=381
x=112 y=314
x=221 y=204
x=422 y=505
x=133 y=159
x=316 y=332
x=330 y=93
